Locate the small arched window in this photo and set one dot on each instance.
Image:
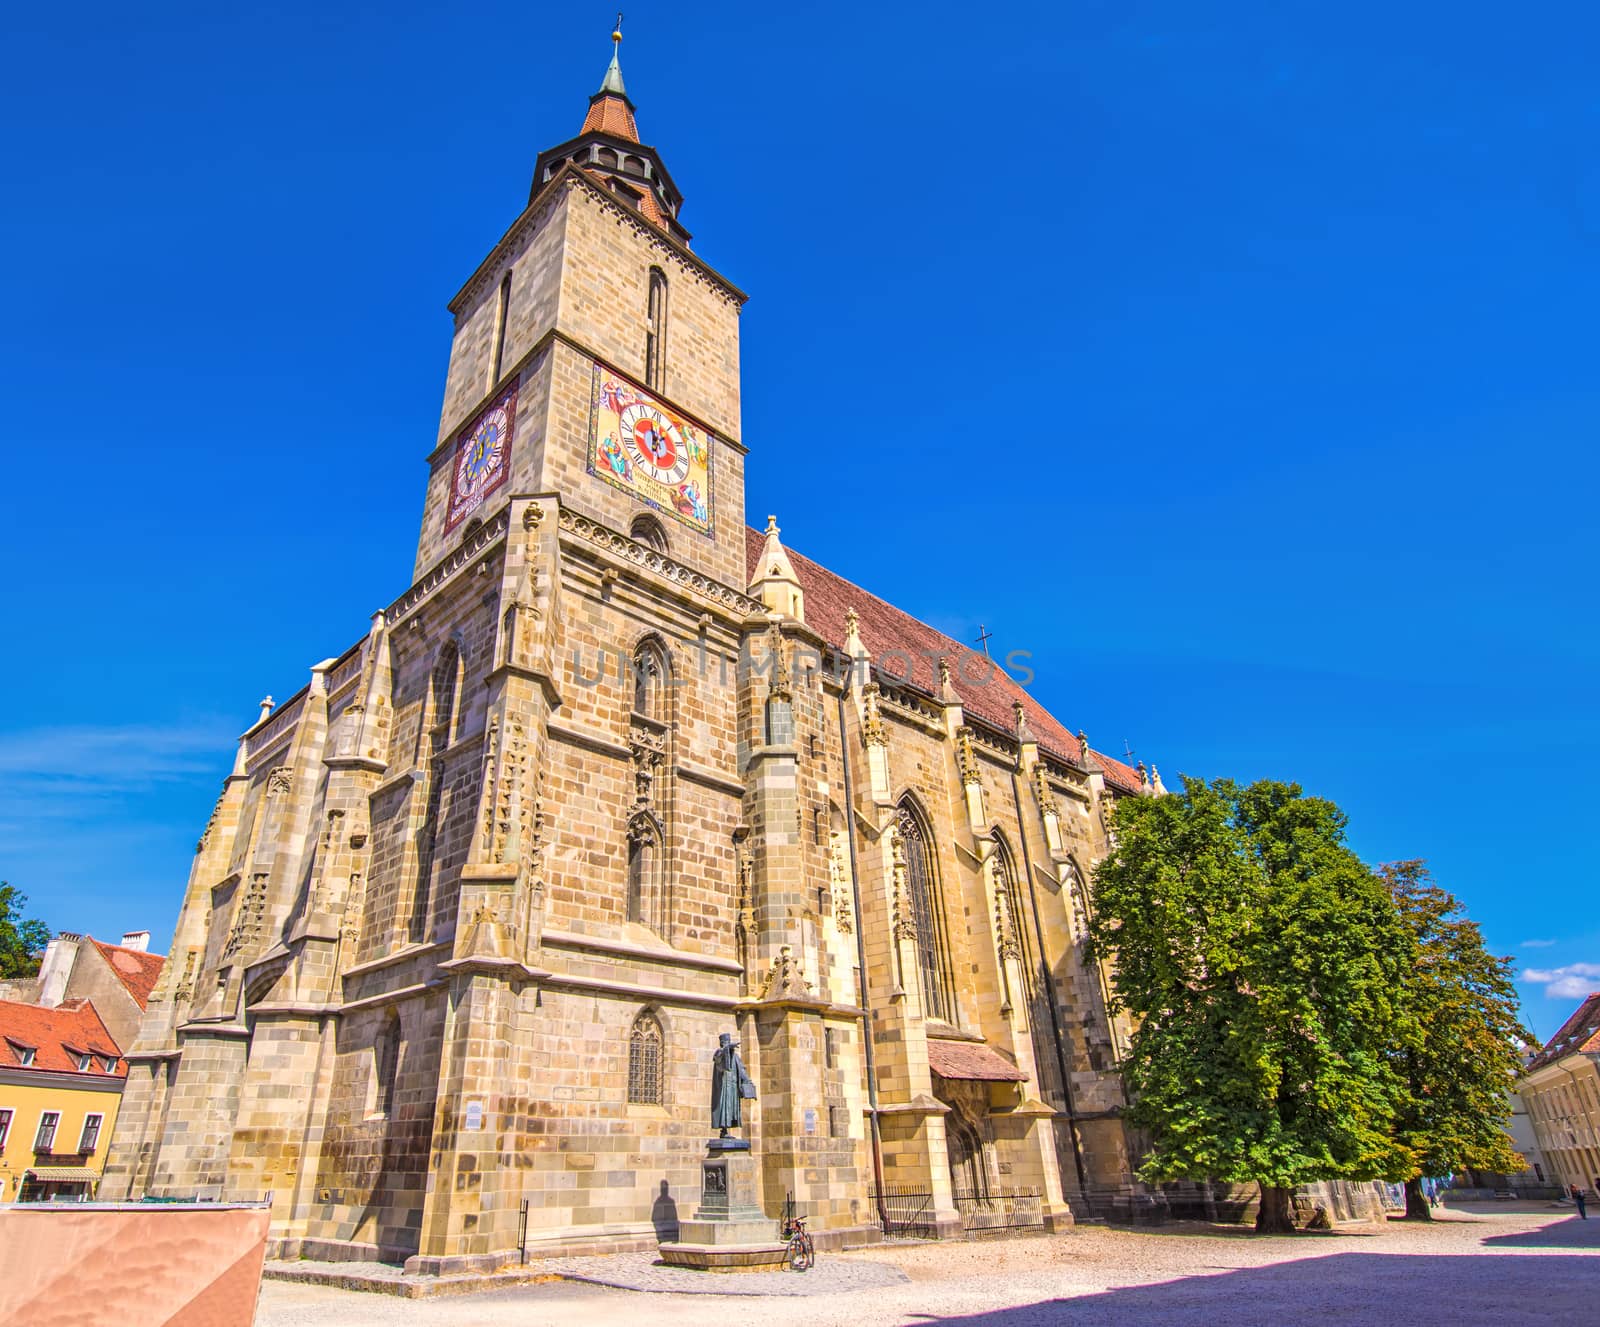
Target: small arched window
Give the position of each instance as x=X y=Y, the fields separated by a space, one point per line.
x=647 y=530
x=646 y=1064
x=655 y=336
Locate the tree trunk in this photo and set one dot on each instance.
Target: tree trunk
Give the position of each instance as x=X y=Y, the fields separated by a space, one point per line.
x=1275 y=1216
x=1417 y=1208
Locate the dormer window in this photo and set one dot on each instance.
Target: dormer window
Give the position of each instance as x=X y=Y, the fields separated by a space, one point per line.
x=111 y=1064
x=85 y=1063
x=23 y=1053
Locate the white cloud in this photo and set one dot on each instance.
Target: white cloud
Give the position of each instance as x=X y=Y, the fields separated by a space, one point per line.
x=1536 y=944
x=1570 y=982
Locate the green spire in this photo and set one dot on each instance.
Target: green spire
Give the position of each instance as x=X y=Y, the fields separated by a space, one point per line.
x=613 y=79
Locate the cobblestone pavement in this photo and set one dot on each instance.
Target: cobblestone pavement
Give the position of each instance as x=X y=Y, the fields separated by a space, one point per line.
x=1485 y=1265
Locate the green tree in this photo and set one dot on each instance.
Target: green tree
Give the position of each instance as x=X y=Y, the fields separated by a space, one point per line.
x=1260 y=959
x=21 y=942
x=1460 y=1069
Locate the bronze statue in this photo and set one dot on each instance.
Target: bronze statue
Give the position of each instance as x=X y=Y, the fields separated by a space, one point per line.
x=730 y=1084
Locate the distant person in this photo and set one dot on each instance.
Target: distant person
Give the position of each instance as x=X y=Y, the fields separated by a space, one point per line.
x=1583 y=1203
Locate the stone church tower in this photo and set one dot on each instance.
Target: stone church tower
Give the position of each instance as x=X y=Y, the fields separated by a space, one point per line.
x=614 y=775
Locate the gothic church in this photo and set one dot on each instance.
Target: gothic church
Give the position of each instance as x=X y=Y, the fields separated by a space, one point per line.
x=616 y=774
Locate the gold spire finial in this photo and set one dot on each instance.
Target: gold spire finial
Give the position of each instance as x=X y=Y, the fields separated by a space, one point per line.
x=616 y=32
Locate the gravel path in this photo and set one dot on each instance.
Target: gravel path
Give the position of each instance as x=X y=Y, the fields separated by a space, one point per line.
x=1488 y=1265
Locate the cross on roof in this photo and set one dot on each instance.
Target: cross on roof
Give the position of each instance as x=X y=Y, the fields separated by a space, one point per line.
x=984 y=637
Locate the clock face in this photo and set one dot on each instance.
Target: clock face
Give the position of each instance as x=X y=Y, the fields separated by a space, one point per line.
x=654 y=443
x=640 y=444
x=483 y=454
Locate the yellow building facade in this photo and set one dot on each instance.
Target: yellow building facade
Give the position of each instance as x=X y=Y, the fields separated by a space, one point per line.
x=1561 y=1090
x=61 y=1079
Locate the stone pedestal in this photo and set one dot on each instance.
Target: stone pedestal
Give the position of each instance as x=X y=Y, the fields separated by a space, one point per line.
x=729 y=1231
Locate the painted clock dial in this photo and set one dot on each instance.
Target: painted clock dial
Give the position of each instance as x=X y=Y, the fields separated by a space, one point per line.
x=642 y=445
x=654 y=443
x=482 y=457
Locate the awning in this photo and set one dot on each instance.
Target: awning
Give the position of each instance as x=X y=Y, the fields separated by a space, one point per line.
x=972 y=1062
x=62 y=1174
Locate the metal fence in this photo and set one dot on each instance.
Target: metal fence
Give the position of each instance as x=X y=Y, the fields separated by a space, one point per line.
x=906 y=1213
x=1000 y=1209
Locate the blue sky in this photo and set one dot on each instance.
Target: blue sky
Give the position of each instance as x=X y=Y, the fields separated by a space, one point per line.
x=1236 y=362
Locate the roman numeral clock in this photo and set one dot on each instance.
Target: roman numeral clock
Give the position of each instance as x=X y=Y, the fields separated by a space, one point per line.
x=640 y=444
x=483 y=457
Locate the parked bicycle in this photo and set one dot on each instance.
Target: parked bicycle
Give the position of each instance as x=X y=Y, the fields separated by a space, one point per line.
x=802 y=1253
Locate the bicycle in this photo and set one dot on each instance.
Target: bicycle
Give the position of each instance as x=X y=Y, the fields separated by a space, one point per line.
x=801 y=1255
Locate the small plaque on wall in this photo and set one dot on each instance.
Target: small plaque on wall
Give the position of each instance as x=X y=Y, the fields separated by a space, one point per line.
x=474 y=1116
x=811 y=1120
x=714 y=1179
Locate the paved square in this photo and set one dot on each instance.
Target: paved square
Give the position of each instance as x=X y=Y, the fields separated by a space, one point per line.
x=1482 y=1265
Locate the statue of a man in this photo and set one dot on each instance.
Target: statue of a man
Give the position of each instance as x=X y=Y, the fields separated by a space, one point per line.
x=730 y=1084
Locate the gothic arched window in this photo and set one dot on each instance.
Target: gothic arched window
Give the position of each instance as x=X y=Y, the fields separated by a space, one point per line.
x=655 y=336
x=650 y=681
x=927 y=916
x=968 y=1174
x=646 y=1063
x=647 y=530
x=1016 y=913
x=502 y=314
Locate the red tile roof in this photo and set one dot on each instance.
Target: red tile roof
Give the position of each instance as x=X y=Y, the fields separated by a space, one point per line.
x=135 y=969
x=611 y=114
x=971 y=1062
x=987 y=692
x=56 y=1036
x=1579 y=1035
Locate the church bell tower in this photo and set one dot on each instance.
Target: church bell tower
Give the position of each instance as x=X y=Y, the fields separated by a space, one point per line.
x=597 y=358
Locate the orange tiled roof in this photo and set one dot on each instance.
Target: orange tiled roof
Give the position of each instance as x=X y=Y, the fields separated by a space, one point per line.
x=986 y=690
x=971 y=1062
x=135 y=969
x=1579 y=1035
x=55 y=1036
x=611 y=114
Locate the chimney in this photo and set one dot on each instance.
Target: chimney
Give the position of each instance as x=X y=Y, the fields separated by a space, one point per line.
x=139 y=940
x=56 y=968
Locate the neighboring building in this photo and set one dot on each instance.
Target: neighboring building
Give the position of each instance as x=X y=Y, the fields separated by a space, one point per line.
x=61 y=1079
x=118 y=978
x=614 y=775
x=1561 y=1088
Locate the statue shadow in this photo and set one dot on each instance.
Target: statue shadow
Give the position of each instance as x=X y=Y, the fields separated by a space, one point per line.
x=664 y=1216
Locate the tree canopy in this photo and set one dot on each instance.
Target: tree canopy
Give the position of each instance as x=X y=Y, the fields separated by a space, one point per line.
x=1261 y=961
x=1460 y=1069
x=21 y=941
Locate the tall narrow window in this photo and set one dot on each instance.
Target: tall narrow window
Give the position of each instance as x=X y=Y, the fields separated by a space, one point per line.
x=5 y=1127
x=502 y=313
x=45 y=1139
x=655 y=336
x=645 y=1062
x=90 y=1138
x=922 y=888
x=649 y=681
